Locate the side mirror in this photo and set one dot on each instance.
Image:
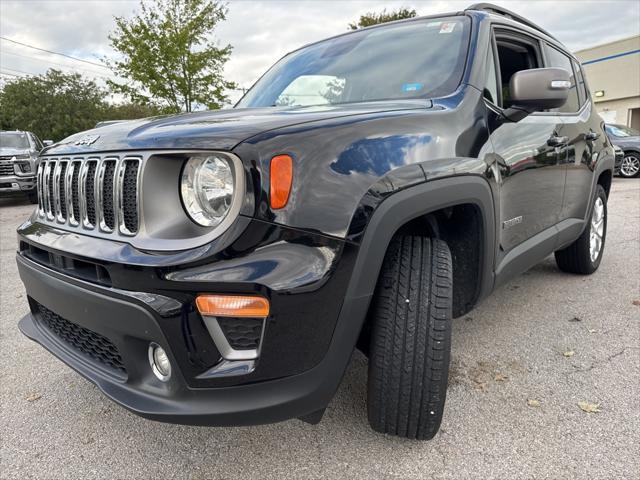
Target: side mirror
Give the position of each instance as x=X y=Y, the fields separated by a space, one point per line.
x=47 y=143
x=537 y=89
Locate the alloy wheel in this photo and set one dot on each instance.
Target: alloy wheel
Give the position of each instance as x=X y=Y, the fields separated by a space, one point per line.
x=597 y=229
x=630 y=166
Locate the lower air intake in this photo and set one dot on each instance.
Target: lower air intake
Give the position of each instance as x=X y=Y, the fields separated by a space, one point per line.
x=91 y=344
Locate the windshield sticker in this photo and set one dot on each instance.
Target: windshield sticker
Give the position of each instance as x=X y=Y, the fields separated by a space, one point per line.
x=447 y=27
x=412 y=87
x=433 y=24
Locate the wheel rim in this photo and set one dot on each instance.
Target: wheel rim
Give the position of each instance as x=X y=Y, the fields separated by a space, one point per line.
x=597 y=229
x=630 y=166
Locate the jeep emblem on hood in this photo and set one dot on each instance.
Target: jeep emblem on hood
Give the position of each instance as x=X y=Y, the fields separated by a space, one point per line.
x=87 y=140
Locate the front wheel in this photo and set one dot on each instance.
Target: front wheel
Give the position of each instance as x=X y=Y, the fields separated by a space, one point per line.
x=411 y=338
x=630 y=166
x=584 y=255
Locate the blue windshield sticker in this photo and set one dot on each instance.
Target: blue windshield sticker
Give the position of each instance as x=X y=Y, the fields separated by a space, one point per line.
x=412 y=87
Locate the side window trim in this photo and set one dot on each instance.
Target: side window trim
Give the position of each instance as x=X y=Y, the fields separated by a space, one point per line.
x=493 y=50
x=500 y=30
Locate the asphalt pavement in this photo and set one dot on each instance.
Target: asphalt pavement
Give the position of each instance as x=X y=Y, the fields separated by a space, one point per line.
x=522 y=363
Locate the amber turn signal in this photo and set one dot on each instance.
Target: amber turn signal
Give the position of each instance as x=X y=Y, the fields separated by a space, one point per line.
x=233 y=306
x=281 y=179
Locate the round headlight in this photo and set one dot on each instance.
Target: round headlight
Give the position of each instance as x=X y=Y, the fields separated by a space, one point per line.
x=207 y=189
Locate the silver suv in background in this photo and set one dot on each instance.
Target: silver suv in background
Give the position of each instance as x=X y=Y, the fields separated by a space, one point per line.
x=18 y=163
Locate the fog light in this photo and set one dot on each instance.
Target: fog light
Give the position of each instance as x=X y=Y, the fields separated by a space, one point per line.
x=159 y=361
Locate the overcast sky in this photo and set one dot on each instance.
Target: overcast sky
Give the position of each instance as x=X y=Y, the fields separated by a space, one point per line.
x=263 y=31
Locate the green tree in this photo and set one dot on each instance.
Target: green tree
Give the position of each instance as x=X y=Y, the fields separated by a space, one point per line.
x=130 y=111
x=53 y=106
x=167 y=55
x=56 y=105
x=372 y=18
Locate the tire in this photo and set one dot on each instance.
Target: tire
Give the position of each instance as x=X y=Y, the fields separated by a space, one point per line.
x=577 y=257
x=411 y=338
x=33 y=197
x=630 y=166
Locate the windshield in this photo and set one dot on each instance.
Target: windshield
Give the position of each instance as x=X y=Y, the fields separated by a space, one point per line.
x=15 y=140
x=621 y=131
x=417 y=59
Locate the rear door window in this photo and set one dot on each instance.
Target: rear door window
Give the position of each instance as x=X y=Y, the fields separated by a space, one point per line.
x=557 y=59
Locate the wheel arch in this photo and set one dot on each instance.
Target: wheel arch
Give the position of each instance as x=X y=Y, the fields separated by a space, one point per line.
x=405 y=206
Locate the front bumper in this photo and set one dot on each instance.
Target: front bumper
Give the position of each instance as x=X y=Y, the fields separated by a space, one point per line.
x=14 y=184
x=131 y=326
x=301 y=362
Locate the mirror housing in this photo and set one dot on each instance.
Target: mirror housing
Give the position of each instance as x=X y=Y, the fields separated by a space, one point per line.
x=47 y=143
x=537 y=89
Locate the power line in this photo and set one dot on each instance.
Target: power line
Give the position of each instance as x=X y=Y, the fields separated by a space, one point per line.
x=36 y=74
x=54 y=53
x=18 y=71
x=31 y=57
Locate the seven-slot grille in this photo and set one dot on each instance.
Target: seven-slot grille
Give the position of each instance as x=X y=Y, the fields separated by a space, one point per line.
x=92 y=193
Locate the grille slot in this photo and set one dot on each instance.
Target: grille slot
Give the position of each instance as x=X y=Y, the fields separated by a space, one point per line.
x=75 y=193
x=91 y=193
x=62 y=193
x=107 y=184
x=129 y=202
x=51 y=199
x=87 y=342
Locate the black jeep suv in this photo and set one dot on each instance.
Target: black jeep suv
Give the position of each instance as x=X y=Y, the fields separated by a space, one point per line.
x=219 y=268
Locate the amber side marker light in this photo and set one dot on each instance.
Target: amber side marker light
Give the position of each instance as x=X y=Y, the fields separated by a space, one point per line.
x=280 y=180
x=233 y=306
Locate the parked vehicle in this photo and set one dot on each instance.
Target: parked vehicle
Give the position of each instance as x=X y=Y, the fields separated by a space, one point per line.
x=619 y=156
x=629 y=141
x=219 y=268
x=18 y=156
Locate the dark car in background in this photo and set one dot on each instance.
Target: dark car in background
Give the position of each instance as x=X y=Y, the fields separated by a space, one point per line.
x=628 y=140
x=18 y=163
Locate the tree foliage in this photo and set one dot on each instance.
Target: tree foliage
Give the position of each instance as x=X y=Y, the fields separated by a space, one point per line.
x=166 y=54
x=372 y=18
x=57 y=104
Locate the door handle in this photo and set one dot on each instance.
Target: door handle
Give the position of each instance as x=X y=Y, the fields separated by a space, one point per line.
x=557 y=141
x=591 y=136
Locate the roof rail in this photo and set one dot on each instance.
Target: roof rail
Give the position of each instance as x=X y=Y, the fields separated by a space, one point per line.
x=491 y=8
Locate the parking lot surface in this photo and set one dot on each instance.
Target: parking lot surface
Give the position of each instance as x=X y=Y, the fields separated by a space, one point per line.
x=521 y=364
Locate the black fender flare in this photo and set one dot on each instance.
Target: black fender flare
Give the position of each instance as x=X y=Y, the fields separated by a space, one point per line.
x=405 y=205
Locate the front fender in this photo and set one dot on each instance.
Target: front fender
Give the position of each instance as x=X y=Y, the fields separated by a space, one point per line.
x=337 y=161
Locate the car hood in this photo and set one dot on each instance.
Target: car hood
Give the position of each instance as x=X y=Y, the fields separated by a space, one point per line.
x=215 y=130
x=10 y=152
x=626 y=141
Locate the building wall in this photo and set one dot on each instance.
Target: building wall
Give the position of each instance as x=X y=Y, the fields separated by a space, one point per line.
x=614 y=69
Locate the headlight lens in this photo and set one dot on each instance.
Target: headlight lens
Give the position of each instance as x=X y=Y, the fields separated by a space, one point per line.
x=207 y=189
